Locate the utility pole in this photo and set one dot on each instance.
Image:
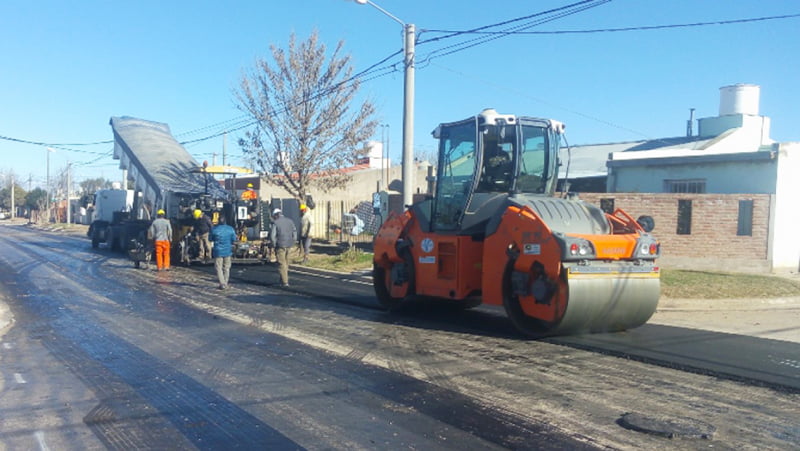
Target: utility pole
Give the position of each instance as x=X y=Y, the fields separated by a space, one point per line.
x=409 y=41
x=13 y=213
x=224 y=154
x=69 y=206
x=47 y=187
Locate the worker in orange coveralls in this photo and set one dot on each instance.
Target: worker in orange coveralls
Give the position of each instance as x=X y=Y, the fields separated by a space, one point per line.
x=161 y=232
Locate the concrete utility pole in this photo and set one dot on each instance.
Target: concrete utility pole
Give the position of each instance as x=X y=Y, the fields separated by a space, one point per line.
x=47 y=186
x=69 y=206
x=224 y=153
x=13 y=213
x=409 y=34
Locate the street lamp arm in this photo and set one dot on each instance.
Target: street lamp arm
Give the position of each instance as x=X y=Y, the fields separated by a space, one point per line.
x=409 y=37
x=392 y=16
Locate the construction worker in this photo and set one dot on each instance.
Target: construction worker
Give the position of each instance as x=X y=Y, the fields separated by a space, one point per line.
x=202 y=227
x=161 y=232
x=223 y=236
x=249 y=193
x=305 y=231
x=283 y=236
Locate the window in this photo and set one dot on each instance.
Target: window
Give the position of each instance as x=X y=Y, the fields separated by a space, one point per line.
x=533 y=172
x=607 y=205
x=684 y=217
x=744 y=224
x=456 y=172
x=696 y=186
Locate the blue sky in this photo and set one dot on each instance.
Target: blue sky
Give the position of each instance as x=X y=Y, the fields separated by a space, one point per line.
x=69 y=66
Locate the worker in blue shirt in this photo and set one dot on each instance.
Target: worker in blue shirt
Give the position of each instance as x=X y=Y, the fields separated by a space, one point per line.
x=223 y=236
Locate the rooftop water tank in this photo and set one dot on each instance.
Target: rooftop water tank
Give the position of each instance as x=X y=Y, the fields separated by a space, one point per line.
x=739 y=99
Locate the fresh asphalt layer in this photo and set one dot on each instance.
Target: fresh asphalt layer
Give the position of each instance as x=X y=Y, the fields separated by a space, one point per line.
x=754 y=360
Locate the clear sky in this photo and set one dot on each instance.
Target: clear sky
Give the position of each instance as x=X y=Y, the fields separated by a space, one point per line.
x=67 y=67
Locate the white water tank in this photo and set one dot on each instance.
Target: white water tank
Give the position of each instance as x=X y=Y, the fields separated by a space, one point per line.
x=739 y=99
x=374 y=149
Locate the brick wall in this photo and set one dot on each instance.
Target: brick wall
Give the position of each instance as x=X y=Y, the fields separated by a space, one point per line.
x=713 y=240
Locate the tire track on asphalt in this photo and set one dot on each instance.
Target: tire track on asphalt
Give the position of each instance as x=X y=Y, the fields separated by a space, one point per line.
x=199 y=414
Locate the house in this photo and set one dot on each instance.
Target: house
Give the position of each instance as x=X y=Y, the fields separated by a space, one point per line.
x=726 y=193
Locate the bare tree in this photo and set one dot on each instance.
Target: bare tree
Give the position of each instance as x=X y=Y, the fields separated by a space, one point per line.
x=90 y=186
x=305 y=128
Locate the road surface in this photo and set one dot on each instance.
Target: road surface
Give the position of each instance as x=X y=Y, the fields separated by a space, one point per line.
x=104 y=356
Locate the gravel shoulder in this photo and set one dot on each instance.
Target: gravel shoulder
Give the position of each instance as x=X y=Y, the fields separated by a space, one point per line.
x=772 y=318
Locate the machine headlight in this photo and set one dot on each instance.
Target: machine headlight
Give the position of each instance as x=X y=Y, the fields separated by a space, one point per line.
x=577 y=249
x=648 y=247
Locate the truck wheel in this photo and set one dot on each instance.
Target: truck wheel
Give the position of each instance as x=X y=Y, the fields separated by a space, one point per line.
x=95 y=239
x=393 y=286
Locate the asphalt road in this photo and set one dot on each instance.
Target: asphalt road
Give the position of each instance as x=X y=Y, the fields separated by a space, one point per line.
x=104 y=356
x=736 y=356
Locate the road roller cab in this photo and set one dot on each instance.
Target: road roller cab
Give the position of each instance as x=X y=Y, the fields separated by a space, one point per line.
x=494 y=232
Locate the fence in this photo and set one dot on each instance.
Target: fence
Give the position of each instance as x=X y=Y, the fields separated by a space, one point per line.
x=345 y=221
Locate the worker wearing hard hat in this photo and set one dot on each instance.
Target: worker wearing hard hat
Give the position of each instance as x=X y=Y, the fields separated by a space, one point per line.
x=161 y=233
x=249 y=193
x=305 y=231
x=202 y=227
x=283 y=236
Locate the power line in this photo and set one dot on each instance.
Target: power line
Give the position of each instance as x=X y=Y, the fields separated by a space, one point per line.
x=375 y=71
x=559 y=13
x=510 y=21
x=56 y=146
x=613 y=30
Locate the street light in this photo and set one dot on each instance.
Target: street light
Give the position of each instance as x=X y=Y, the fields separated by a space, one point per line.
x=408 y=103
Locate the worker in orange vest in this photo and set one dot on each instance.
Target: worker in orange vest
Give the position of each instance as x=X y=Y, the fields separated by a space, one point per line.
x=249 y=193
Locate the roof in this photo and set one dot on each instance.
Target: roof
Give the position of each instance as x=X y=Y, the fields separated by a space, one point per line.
x=590 y=160
x=153 y=157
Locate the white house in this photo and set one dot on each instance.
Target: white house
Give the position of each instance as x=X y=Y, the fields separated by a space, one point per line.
x=732 y=153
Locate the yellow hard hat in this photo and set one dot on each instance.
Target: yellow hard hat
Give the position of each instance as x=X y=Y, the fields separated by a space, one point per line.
x=303 y=207
x=197 y=214
x=160 y=212
x=249 y=185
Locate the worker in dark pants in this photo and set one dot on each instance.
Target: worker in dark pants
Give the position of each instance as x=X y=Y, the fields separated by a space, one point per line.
x=202 y=227
x=223 y=236
x=283 y=235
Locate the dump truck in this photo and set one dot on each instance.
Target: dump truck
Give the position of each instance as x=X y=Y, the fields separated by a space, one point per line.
x=496 y=232
x=166 y=177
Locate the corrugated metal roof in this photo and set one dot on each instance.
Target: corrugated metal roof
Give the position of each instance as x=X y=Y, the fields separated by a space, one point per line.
x=590 y=160
x=154 y=158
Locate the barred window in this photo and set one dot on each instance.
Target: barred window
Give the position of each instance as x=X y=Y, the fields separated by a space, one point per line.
x=696 y=186
x=744 y=224
x=684 y=217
